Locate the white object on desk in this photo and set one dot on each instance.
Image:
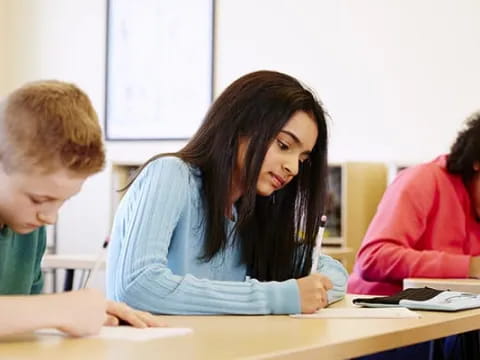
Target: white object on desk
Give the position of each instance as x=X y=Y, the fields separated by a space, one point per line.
x=127 y=333
x=360 y=313
x=445 y=301
x=68 y=261
x=466 y=285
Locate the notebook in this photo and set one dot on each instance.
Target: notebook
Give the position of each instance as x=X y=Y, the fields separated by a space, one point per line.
x=424 y=299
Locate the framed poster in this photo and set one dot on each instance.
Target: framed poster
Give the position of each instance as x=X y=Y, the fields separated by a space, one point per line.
x=159 y=78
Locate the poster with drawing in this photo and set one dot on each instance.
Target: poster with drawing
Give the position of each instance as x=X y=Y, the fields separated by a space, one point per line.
x=159 y=68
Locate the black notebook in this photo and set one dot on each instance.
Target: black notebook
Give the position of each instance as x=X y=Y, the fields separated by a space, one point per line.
x=424 y=299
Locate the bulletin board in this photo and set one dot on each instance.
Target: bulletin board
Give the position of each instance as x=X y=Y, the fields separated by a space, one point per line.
x=159 y=76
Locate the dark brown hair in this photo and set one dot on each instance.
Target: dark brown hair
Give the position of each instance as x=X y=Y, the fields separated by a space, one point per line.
x=277 y=232
x=465 y=151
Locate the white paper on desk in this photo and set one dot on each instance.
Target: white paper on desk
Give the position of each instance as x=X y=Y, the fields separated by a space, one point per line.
x=360 y=313
x=127 y=333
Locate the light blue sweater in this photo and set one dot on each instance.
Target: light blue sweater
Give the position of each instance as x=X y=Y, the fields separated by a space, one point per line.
x=157 y=237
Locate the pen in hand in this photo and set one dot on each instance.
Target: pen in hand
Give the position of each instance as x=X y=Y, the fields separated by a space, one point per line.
x=98 y=263
x=318 y=244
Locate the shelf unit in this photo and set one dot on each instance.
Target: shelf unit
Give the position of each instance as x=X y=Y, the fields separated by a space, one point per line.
x=355 y=189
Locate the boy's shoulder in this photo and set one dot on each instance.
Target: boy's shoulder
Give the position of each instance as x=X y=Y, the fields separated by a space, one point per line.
x=23 y=247
x=7 y=233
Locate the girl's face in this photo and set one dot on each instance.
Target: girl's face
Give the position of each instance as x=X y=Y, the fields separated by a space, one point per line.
x=291 y=146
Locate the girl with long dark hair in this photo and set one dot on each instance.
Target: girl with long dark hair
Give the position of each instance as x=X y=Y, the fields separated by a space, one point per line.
x=228 y=223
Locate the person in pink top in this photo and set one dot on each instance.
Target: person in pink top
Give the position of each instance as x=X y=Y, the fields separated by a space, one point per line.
x=427 y=224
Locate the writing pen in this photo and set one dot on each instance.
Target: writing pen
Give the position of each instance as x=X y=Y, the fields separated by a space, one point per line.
x=318 y=244
x=98 y=262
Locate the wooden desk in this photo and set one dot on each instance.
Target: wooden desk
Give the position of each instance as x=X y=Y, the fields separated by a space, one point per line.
x=467 y=285
x=253 y=337
x=70 y=263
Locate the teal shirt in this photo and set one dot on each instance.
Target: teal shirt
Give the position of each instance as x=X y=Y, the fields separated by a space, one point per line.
x=20 y=260
x=157 y=238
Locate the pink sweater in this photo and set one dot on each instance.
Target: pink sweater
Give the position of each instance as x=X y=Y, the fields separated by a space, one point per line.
x=424 y=227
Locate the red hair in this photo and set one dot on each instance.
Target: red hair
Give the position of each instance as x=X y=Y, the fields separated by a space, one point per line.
x=50 y=124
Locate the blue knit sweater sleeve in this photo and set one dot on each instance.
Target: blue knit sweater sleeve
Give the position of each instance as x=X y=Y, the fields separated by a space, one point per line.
x=137 y=270
x=337 y=274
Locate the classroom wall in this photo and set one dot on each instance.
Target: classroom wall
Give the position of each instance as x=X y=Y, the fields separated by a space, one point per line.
x=397 y=77
x=3 y=38
x=22 y=36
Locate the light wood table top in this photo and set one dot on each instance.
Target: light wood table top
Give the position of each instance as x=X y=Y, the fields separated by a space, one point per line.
x=253 y=337
x=467 y=285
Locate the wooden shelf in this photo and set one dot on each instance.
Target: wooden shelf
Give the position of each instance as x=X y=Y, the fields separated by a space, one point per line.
x=355 y=189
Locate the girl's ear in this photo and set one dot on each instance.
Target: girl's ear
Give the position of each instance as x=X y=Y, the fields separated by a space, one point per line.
x=476 y=165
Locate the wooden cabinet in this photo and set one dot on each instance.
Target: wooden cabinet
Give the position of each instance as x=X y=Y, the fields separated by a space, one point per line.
x=355 y=189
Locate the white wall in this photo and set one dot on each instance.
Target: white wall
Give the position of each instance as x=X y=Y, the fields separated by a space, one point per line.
x=66 y=40
x=397 y=77
x=3 y=46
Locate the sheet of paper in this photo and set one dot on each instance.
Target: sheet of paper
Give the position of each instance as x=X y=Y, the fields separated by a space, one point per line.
x=127 y=333
x=360 y=313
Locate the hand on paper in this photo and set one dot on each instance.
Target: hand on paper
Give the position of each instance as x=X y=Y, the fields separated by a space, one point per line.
x=82 y=312
x=117 y=312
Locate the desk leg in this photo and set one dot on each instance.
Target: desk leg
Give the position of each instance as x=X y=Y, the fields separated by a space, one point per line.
x=54 y=273
x=68 y=284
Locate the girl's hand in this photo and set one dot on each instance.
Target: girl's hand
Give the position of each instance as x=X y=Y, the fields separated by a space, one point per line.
x=313 y=292
x=120 y=312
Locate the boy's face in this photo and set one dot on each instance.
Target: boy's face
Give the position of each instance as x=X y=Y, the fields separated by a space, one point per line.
x=29 y=200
